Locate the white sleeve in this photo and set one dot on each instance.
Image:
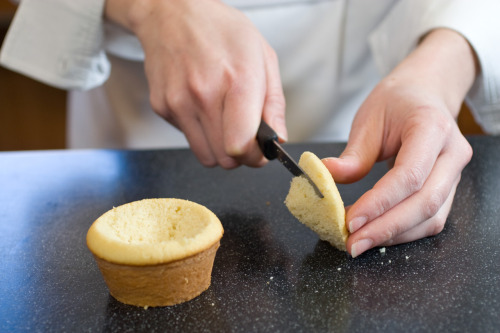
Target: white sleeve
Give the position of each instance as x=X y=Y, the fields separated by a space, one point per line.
x=477 y=21
x=58 y=42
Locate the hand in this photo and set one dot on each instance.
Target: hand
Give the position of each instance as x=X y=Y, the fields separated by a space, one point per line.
x=210 y=73
x=410 y=115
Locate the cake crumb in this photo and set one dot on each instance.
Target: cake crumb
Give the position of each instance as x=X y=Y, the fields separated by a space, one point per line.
x=146 y=307
x=407 y=257
x=339 y=269
x=382 y=250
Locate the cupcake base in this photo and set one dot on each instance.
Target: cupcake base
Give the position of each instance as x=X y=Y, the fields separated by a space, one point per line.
x=162 y=284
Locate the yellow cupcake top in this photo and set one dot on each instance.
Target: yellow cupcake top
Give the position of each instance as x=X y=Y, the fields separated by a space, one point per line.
x=153 y=231
x=324 y=216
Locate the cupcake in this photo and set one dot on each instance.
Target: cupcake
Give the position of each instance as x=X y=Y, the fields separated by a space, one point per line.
x=156 y=252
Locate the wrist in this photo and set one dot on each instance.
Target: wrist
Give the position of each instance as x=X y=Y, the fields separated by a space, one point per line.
x=444 y=63
x=128 y=13
x=117 y=11
x=131 y=14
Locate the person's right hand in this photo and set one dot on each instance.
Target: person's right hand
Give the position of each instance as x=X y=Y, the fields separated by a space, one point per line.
x=210 y=73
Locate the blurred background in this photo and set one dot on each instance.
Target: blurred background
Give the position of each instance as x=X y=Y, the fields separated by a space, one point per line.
x=33 y=115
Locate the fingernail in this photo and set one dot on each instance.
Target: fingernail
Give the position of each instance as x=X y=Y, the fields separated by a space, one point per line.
x=279 y=125
x=360 y=247
x=329 y=159
x=357 y=223
x=282 y=137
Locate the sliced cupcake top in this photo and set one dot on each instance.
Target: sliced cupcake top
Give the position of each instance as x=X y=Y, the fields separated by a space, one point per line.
x=325 y=216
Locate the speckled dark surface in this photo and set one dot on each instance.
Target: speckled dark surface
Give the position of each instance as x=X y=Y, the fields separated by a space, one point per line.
x=271 y=274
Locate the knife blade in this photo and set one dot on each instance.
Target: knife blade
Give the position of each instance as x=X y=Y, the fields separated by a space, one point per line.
x=268 y=143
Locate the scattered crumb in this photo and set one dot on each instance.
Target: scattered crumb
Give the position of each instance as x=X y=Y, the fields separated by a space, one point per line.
x=146 y=307
x=407 y=257
x=339 y=269
x=213 y=304
x=390 y=261
x=382 y=250
x=271 y=278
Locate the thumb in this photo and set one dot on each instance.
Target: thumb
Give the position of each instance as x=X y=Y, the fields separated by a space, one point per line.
x=361 y=152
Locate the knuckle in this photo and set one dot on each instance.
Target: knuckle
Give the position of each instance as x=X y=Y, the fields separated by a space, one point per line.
x=207 y=161
x=167 y=115
x=231 y=75
x=438 y=226
x=419 y=116
x=228 y=163
x=440 y=125
x=379 y=202
x=466 y=151
x=414 y=178
x=237 y=86
x=382 y=205
x=175 y=100
x=160 y=106
x=236 y=151
x=276 y=99
x=240 y=76
x=202 y=93
x=433 y=204
x=443 y=123
x=391 y=232
x=157 y=102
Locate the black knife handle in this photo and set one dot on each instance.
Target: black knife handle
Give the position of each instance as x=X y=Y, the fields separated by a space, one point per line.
x=265 y=137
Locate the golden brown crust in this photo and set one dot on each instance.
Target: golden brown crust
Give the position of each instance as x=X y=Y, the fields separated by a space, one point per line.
x=160 y=285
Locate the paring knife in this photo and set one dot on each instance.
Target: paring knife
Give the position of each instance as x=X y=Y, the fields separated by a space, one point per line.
x=268 y=142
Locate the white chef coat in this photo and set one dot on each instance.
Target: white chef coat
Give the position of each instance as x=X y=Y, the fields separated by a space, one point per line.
x=331 y=54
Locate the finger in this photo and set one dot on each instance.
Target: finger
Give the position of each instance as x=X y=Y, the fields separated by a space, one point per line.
x=418 y=208
x=165 y=105
x=198 y=140
x=413 y=165
x=274 y=104
x=431 y=227
x=242 y=112
x=210 y=115
x=214 y=136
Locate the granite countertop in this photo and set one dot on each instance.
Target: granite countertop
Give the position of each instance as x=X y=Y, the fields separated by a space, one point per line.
x=271 y=273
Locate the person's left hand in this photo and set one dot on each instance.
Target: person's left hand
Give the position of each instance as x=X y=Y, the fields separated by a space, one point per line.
x=409 y=116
